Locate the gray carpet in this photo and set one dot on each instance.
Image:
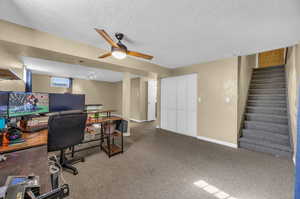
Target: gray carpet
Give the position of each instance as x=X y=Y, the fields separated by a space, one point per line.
x=163 y=165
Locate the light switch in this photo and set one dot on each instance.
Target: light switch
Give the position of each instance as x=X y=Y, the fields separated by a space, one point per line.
x=227 y=100
x=199 y=99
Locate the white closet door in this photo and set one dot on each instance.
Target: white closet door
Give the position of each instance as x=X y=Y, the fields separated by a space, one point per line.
x=171 y=104
x=192 y=105
x=163 y=101
x=179 y=104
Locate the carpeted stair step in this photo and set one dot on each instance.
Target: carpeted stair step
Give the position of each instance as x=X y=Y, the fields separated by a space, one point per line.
x=268 y=75
x=265 y=149
x=267 y=103
x=266 y=86
x=267 y=118
x=261 y=71
x=268 y=69
x=280 y=91
x=268 y=144
x=267 y=97
x=266 y=110
x=268 y=80
x=265 y=135
x=266 y=126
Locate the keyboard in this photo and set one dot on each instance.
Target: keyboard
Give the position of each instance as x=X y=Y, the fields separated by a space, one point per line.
x=35 y=129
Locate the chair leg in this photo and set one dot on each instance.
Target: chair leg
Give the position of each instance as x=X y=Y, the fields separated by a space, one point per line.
x=70 y=167
x=65 y=163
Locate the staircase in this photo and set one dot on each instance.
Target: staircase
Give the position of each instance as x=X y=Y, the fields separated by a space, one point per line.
x=265 y=127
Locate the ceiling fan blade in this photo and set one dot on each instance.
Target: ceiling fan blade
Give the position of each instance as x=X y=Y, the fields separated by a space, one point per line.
x=105 y=55
x=141 y=55
x=107 y=37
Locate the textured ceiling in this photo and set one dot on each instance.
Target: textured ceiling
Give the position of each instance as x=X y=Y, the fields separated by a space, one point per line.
x=177 y=33
x=45 y=67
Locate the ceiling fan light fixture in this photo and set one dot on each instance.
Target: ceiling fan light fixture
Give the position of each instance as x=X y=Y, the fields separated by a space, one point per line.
x=119 y=53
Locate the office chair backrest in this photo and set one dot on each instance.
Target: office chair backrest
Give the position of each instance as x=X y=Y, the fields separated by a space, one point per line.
x=65 y=130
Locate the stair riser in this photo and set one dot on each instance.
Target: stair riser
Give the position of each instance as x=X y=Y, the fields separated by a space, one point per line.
x=271 y=105
x=265 y=134
x=267 y=111
x=267 y=86
x=267 y=91
x=259 y=118
x=270 y=97
x=267 y=137
x=268 y=69
x=269 y=75
x=266 y=150
x=269 y=128
x=267 y=81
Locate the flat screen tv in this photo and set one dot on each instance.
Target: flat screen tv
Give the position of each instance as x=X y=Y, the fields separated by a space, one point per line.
x=66 y=102
x=4 y=104
x=21 y=103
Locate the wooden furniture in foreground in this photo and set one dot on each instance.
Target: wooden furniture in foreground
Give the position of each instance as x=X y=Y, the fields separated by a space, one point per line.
x=110 y=133
x=108 y=112
x=40 y=138
x=31 y=140
x=32 y=161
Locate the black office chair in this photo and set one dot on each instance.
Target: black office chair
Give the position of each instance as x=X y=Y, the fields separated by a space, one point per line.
x=65 y=130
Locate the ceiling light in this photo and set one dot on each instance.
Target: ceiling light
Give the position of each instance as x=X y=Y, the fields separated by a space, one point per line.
x=119 y=53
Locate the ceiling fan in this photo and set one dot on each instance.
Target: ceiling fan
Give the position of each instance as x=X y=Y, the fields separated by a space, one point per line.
x=119 y=50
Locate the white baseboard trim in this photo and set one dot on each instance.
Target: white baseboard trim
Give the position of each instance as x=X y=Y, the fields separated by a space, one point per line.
x=126 y=134
x=139 y=121
x=217 y=142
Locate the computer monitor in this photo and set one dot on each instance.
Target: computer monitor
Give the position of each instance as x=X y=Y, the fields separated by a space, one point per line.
x=3 y=104
x=21 y=103
x=66 y=102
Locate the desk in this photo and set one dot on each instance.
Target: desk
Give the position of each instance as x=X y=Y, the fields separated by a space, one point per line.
x=27 y=162
x=108 y=112
x=103 y=119
x=41 y=138
x=31 y=140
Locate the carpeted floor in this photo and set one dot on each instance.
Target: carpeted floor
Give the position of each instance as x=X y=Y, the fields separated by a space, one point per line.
x=163 y=165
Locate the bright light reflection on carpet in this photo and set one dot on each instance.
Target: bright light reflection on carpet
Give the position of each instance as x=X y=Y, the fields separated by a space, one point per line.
x=213 y=190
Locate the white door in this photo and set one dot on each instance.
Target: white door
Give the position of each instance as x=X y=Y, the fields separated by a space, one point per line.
x=152 y=93
x=179 y=104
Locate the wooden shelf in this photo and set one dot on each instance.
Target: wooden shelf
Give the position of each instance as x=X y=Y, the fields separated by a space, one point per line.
x=103 y=119
x=31 y=140
x=114 y=149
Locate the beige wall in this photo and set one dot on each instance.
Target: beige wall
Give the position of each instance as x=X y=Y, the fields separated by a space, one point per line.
x=217 y=80
x=12 y=85
x=246 y=65
x=119 y=93
x=135 y=99
x=143 y=98
x=10 y=61
x=97 y=92
x=41 y=83
x=293 y=75
x=139 y=99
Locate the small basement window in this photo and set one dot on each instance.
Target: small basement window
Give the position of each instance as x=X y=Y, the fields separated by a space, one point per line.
x=60 y=82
